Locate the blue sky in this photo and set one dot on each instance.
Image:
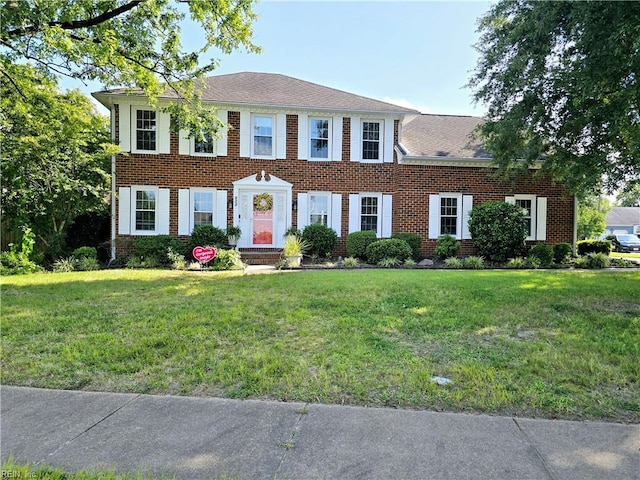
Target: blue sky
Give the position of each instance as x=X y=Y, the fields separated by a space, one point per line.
x=418 y=54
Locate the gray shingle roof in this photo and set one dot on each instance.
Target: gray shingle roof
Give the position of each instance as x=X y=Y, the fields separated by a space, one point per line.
x=278 y=90
x=620 y=216
x=446 y=136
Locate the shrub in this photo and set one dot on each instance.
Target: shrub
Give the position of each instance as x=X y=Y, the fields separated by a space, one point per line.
x=594 y=246
x=64 y=265
x=85 y=252
x=357 y=243
x=86 y=264
x=389 y=262
x=387 y=248
x=597 y=260
x=414 y=241
x=177 y=260
x=409 y=263
x=453 y=262
x=473 y=263
x=542 y=252
x=206 y=236
x=154 y=250
x=517 y=262
x=533 y=262
x=561 y=252
x=447 y=246
x=322 y=240
x=350 y=262
x=498 y=230
x=16 y=263
x=227 y=260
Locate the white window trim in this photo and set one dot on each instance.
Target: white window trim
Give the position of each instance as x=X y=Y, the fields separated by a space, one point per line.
x=458 y=197
x=534 y=213
x=274 y=136
x=329 y=211
x=192 y=205
x=379 y=214
x=464 y=206
x=328 y=158
x=134 y=129
x=381 y=140
x=134 y=191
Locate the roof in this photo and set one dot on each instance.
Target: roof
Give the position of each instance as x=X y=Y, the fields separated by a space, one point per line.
x=445 y=136
x=620 y=216
x=272 y=89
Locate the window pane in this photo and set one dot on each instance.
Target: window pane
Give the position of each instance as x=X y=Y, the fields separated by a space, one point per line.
x=145 y=200
x=262 y=146
x=205 y=145
x=449 y=216
x=318 y=209
x=319 y=148
x=369 y=213
x=319 y=128
x=370 y=140
x=526 y=205
x=262 y=126
x=202 y=218
x=203 y=202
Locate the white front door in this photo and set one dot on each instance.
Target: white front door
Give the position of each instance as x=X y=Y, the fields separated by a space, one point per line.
x=262 y=218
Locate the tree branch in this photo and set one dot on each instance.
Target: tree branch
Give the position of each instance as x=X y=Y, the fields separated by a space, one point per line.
x=76 y=24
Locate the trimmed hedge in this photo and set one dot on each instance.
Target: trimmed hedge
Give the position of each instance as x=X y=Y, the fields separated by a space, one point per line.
x=157 y=248
x=561 y=252
x=357 y=243
x=322 y=240
x=207 y=236
x=542 y=252
x=414 y=241
x=498 y=230
x=388 y=248
x=594 y=246
x=447 y=246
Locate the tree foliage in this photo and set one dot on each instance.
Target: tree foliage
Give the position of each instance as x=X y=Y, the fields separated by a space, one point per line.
x=55 y=157
x=592 y=216
x=561 y=83
x=127 y=43
x=629 y=197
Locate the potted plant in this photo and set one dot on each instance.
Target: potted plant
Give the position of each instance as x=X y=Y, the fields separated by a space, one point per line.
x=233 y=234
x=293 y=249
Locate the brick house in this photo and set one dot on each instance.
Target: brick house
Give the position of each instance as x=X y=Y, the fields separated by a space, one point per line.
x=296 y=153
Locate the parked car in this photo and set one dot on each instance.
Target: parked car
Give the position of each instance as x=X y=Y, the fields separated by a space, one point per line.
x=625 y=242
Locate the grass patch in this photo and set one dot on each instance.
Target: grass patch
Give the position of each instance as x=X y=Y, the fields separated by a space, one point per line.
x=532 y=343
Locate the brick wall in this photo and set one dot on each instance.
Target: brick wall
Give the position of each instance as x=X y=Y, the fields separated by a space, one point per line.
x=409 y=184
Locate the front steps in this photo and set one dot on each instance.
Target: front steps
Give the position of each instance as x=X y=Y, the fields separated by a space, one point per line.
x=260 y=256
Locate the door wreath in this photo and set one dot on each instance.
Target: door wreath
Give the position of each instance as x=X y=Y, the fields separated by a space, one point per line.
x=263 y=202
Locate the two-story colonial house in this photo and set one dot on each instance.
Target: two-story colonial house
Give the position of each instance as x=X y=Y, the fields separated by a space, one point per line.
x=295 y=153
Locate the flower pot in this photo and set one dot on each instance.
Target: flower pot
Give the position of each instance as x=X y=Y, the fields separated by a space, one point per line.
x=293 y=260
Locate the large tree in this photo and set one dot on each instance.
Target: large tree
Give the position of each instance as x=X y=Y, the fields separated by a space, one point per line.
x=55 y=158
x=126 y=43
x=561 y=82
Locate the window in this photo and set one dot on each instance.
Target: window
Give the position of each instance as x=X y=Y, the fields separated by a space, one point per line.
x=146 y=130
x=262 y=136
x=319 y=138
x=319 y=208
x=369 y=213
x=204 y=146
x=203 y=208
x=527 y=205
x=449 y=215
x=145 y=211
x=371 y=135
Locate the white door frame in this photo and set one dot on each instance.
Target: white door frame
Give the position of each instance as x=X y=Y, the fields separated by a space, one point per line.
x=242 y=215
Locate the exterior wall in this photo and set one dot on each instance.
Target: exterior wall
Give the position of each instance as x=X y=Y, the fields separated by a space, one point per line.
x=410 y=185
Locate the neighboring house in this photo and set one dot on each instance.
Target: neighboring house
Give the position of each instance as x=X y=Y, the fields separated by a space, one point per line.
x=623 y=220
x=297 y=153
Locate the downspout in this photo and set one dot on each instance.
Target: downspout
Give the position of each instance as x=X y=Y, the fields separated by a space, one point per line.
x=113 y=187
x=575 y=224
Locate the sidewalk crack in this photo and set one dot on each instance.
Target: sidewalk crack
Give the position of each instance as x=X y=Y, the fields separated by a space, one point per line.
x=535 y=449
x=71 y=440
x=290 y=444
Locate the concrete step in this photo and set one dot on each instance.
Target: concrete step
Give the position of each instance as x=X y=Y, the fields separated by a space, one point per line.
x=256 y=256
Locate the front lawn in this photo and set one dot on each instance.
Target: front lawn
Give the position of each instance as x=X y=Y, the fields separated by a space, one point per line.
x=528 y=343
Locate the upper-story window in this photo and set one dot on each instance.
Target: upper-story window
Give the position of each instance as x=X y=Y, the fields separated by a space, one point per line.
x=146 y=130
x=319 y=138
x=204 y=145
x=262 y=130
x=371 y=139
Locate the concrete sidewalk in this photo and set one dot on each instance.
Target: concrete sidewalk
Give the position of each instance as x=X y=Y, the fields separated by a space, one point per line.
x=208 y=438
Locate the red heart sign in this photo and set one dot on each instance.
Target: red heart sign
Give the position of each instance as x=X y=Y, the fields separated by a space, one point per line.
x=204 y=254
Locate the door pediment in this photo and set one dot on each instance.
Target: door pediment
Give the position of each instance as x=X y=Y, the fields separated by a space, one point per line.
x=262 y=180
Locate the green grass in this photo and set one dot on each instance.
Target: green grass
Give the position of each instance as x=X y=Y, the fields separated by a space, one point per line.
x=530 y=343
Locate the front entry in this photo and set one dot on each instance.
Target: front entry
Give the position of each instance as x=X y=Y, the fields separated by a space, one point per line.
x=262 y=210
